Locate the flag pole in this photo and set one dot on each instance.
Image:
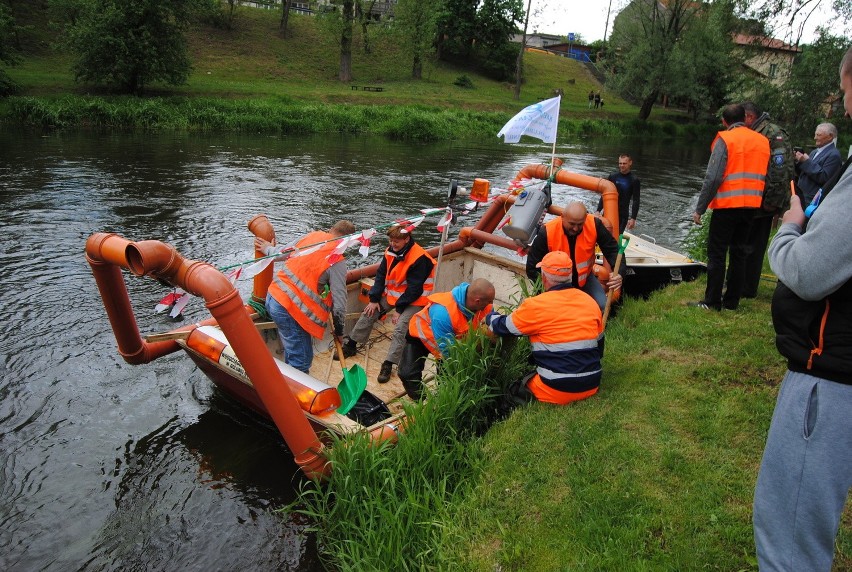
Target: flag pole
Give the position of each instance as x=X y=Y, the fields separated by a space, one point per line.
x=553 y=149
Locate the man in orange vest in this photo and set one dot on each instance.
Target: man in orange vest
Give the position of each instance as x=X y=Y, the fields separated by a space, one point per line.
x=307 y=291
x=447 y=317
x=565 y=329
x=577 y=232
x=406 y=276
x=733 y=188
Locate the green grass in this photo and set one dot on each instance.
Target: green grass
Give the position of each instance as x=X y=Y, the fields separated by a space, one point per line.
x=656 y=472
x=288 y=80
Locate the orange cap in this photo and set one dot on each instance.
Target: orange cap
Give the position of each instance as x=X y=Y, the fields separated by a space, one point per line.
x=557 y=263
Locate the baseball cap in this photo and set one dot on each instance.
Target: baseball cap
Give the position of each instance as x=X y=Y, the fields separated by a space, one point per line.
x=557 y=263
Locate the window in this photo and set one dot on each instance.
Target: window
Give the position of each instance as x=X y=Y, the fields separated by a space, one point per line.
x=773 y=70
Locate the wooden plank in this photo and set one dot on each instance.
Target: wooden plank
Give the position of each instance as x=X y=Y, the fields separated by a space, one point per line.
x=183 y=334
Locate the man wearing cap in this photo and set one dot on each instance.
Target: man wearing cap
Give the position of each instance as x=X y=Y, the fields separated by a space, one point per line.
x=577 y=232
x=565 y=328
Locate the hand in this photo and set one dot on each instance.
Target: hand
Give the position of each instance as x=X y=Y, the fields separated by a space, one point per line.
x=395 y=318
x=614 y=282
x=338 y=327
x=696 y=218
x=795 y=215
x=261 y=245
x=371 y=309
x=801 y=156
x=631 y=223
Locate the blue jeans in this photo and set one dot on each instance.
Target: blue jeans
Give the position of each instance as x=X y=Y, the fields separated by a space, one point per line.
x=298 y=345
x=593 y=288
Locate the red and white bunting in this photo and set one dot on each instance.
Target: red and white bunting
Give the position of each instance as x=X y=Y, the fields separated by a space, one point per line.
x=168 y=300
x=257 y=268
x=364 y=239
x=409 y=224
x=234 y=274
x=180 y=304
x=445 y=220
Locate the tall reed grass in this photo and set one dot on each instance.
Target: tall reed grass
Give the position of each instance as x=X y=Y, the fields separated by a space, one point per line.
x=281 y=115
x=383 y=507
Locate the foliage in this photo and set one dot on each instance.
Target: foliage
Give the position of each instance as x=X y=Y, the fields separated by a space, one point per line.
x=812 y=81
x=695 y=242
x=386 y=508
x=663 y=49
x=130 y=44
x=8 y=54
x=416 y=23
x=464 y=81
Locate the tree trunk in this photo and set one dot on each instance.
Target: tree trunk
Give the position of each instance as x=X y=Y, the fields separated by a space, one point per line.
x=417 y=67
x=647 y=104
x=285 y=17
x=346 y=41
x=519 y=65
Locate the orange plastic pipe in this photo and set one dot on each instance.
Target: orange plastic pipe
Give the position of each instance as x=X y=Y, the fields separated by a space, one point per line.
x=107 y=253
x=262 y=228
x=606 y=188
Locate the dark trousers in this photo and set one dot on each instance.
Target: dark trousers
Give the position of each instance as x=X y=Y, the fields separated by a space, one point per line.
x=411 y=365
x=758 y=237
x=727 y=237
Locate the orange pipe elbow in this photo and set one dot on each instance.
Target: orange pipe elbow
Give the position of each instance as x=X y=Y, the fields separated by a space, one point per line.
x=262 y=228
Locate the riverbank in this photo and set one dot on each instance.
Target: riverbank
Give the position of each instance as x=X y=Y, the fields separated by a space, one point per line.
x=249 y=79
x=655 y=472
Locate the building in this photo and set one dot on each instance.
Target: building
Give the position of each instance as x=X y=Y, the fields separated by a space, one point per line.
x=768 y=58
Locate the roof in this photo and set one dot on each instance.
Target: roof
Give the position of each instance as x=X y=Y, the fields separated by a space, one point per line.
x=764 y=42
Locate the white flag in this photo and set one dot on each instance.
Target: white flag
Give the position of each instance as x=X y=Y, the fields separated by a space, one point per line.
x=539 y=120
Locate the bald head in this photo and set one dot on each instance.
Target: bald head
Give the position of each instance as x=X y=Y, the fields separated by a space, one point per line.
x=573 y=218
x=480 y=293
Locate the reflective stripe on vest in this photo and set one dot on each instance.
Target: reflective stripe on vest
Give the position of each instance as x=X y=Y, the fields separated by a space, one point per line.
x=296 y=285
x=745 y=172
x=584 y=248
x=396 y=279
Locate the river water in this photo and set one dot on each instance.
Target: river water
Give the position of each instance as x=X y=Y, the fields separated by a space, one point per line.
x=107 y=466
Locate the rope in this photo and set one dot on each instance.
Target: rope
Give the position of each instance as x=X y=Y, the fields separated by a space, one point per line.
x=260 y=308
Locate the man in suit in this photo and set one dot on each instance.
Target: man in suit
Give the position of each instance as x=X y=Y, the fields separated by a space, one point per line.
x=818 y=166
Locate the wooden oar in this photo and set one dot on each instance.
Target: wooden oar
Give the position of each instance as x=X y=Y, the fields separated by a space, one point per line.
x=622 y=246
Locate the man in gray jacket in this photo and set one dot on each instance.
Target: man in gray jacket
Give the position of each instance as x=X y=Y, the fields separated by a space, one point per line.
x=806 y=471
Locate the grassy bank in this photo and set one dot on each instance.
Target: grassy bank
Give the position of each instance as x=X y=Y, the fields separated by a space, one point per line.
x=250 y=79
x=656 y=472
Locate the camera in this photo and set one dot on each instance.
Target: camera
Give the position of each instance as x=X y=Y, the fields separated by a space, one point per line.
x=798 y=150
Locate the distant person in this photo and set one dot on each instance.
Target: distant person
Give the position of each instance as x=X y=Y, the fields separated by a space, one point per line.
x=818 y=166
x=733 y=188
x=806 y=472
x=306 y=293
x=433 y=330
x=403 y=281
x=776 y=195
x=602 y=103
x=597 y=100
x=591 y=98
x=628 y=185
x=577 y=232
x=565 y=328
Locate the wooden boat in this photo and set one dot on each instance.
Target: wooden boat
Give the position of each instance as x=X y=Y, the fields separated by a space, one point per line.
x=242 y=355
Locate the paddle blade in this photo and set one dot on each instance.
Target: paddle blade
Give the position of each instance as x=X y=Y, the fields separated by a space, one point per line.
x=351 y=387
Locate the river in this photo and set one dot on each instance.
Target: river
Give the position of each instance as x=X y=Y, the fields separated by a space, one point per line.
x=107 y=466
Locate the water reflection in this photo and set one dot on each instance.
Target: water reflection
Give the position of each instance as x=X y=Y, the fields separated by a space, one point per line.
x=110 y=466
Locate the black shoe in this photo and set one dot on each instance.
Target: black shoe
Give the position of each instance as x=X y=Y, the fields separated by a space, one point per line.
x=385 y=372
x=349 y=350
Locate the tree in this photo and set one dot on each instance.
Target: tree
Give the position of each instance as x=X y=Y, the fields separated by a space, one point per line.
x=456 y=29
x=416 y=23
x=812 y=81
x=8 y=54
x=131 y=43
x=496 y=23
x=790 y=16
x=285 y=16
x=644 y=37
x=519 y=65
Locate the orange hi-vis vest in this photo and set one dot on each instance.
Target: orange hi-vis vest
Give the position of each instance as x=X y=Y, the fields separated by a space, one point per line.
x=584 y=248
x=396 y=278
x=745 y=173
x=296 y=285
x=420 y=325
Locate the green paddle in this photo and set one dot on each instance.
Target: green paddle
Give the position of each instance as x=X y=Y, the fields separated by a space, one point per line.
x=352 y=385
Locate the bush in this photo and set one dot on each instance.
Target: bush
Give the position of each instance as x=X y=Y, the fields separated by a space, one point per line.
x=463 y=81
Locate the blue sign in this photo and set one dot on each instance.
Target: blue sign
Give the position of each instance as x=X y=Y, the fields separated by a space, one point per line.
x=570 y=36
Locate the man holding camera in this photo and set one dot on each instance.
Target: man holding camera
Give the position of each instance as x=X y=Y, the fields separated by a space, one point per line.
x=818 y=166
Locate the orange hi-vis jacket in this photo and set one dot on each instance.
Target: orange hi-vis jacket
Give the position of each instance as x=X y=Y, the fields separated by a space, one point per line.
x=565 y=328
x=420 y=325
x=396 y=279
x=296 y=285
x=584 y=248
x=745 y=172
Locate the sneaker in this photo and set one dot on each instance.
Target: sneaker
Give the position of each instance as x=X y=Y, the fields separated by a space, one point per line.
x=385 y=372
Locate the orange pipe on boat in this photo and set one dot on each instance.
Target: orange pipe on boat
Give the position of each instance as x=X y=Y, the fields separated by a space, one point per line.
x=262 y=228
x=153 y=258
x=606 y=188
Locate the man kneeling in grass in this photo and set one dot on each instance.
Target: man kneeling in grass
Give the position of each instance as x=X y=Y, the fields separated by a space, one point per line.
x=565 y=328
